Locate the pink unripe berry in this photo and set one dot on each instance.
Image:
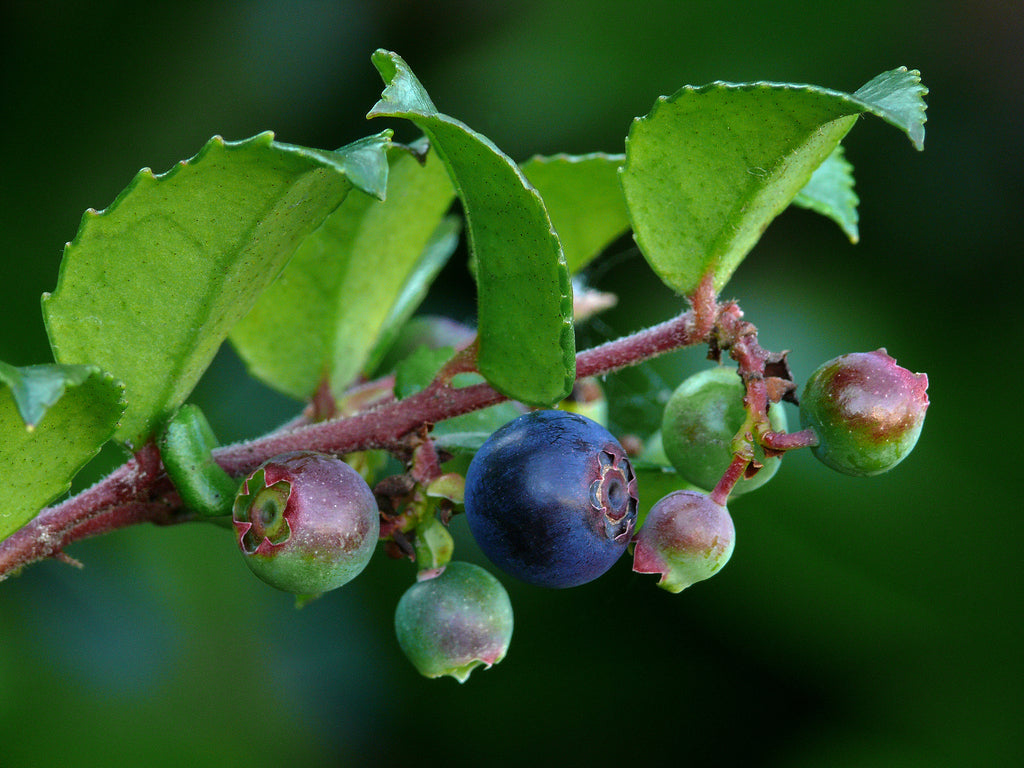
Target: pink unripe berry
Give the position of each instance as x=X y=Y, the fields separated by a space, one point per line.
x=686 y=537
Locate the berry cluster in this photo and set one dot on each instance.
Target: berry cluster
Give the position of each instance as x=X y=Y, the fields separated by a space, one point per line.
x=551 y=498
x=409 y=422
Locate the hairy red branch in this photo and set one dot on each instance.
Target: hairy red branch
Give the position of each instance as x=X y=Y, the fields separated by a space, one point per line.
x=139 y=490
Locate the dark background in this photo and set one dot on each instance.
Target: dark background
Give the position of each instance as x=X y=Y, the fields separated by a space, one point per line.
x=860 y=622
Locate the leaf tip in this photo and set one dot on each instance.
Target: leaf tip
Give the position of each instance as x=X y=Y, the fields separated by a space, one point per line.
x=386 y=62
x=403 y=93
x=897 y=96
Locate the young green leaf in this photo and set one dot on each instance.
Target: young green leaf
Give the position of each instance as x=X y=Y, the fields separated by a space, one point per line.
x=527 y=346
x=325 y=313
x=897 y=96
x=430 y=331
x=186 y=449
x=150 y=287
x=830 y=193
x=584 y=199
x=709 y=168
x=38 y=459
x=440 y=246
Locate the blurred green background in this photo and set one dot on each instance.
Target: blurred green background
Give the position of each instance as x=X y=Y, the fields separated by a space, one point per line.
x=860 y=622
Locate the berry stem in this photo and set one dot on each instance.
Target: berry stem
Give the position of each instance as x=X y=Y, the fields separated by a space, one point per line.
x=788 y=441
x=139 y=490
x=735 y=472
x=115 y=502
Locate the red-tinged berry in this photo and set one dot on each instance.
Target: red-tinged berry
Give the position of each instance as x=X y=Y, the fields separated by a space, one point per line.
x=306 y=522
x=453 y=621
x=686 y=537
x=866 y=410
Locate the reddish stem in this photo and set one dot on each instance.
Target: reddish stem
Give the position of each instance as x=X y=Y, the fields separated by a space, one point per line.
x=788 y=441
x=110 y=504
x=139 y=491
x=733 y=474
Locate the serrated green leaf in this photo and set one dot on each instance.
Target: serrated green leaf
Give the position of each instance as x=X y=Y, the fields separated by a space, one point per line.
x=150 y=287
x=709 y=168
x=527 y=346
x=37 y=464
x=584 y=198
x=830 y=193
x=324 y=315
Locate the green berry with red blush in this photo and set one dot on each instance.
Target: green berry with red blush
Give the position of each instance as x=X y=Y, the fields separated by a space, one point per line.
x=453 y=620
x=306 y=522
x=866 y=410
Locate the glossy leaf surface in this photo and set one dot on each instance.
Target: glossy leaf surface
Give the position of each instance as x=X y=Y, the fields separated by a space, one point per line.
x=38 y=464
x=324 y=315
x=150 y=287
x=527 y=346
x=709 y=168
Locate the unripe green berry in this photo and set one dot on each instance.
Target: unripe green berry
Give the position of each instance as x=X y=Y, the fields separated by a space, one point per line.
x=866 y=410
x=686 y=537
x=701 y=419
x=453 y=621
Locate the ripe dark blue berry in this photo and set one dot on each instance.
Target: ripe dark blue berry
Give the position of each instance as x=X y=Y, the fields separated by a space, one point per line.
x=551 y=499
x=306 y=522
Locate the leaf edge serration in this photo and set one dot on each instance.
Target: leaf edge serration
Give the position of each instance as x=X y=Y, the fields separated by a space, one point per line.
x=337 y=162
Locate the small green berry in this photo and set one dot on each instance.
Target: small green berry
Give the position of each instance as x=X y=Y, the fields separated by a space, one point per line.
x=453 y=621
x=866 y=410
x=700 y=421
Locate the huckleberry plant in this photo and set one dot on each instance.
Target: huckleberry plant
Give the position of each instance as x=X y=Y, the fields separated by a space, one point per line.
x=312 y=264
